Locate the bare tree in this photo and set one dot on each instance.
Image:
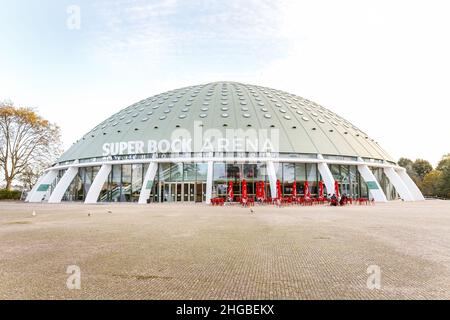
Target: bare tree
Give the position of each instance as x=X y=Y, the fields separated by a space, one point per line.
x=28 y=143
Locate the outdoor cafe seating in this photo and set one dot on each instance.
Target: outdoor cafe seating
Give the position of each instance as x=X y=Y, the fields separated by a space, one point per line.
x=305 y=199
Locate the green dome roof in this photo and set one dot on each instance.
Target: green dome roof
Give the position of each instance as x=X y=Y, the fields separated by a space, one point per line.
x=304 y=126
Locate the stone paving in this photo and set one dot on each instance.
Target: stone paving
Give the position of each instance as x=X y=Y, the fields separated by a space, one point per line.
x=171 y=251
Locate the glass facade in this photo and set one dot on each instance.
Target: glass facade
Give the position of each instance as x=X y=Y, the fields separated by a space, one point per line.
x=223 y=173
x=350 y=180
x=383 y=180
x=287 y=173
x=186 y=182
x=179 y=182
x=124 y=183
x=81 y=184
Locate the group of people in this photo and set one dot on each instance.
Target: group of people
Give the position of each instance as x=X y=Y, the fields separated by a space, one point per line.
x=338 y=200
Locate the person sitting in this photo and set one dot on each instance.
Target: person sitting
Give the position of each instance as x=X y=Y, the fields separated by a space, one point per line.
x=334 y=200
x=343 y=200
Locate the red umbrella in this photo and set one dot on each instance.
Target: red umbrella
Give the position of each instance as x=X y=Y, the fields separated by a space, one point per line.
x=321 y=189
x=278 y=190
x=336 y=188
x=294 y=189
x=259 y=190
x=263 y=190
x=306 y=190
x=230 y=191
x=244 y=191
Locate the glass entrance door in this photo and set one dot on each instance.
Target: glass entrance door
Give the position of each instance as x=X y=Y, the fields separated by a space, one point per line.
x=179 y=192
x=200 y=192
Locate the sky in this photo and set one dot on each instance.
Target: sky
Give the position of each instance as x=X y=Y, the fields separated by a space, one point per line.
x=383 y=65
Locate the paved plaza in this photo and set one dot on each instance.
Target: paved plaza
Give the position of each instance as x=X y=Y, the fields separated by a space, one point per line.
x=173 y=251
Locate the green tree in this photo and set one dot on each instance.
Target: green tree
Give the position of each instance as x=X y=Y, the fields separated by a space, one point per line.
x=421 y=168
x=27 y=142
x=430 y=183
x=443 y=184
x=406 y=163
x=443 y=161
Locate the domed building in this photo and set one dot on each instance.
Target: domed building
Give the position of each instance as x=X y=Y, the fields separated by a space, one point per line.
x=188 y=144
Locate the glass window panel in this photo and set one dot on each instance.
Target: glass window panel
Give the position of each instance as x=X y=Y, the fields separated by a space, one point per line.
x=279 y=170
x=105 y=192
x=115 y=185
x=334 y=168
x=125 y=195
x=300 y=172
x=137 y=170
x=202 y=171
x=219 y=171
x=311 y=170
x=345 y=179
x=250 y=172
x=261 y=173
x=234 y=172
x=176 y=172
x=219 y=178
x=75 y=189
x=288 y=172
x=190 y=173
x=164 y=172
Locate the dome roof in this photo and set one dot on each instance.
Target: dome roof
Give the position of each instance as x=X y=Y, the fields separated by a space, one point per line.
x=304 y=126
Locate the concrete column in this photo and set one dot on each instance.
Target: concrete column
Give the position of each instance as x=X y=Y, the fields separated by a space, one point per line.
x=43 y=187
x=413 y=189
x=272 y=178
x=97 y=184
x=209 y=181
x=326 y=175
x=147 y=184
x=374 y=186
x=62 y=185
x=33 y=190
x=398 y=184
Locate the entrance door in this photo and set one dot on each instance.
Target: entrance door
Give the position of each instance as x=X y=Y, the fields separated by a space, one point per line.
x=191 y=192
x=179 y=190
x=165 y=192
x=186 y=192
x=199 y=192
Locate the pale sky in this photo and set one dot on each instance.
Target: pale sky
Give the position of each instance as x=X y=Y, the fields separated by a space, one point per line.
x=383 y=65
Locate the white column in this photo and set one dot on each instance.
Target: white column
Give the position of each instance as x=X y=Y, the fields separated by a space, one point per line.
x=44 y=186
x=209 y=181
x=33 y=190
x=372 y=184
x=413 y=189
x=272 y=178
x=398 y=184
x=326 y=175
x=62 y=185
x=147 y=184
x=97 y=184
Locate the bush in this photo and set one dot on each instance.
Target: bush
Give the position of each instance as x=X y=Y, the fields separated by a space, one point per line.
x=10 y=194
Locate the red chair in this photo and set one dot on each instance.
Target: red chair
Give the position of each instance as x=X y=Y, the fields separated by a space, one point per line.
x=320 y=200
x=268 y=200
x=362 y=201
x=307 y=201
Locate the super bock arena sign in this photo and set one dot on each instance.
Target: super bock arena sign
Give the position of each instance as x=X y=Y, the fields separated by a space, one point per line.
x=211 y=140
